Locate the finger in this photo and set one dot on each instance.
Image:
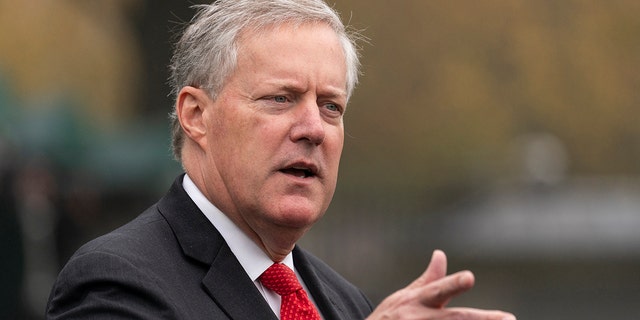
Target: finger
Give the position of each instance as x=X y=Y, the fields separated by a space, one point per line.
x=437 y=294
x=476 y=314
x=437 y=269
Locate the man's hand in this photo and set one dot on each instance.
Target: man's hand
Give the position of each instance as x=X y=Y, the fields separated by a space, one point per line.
x=428 y=296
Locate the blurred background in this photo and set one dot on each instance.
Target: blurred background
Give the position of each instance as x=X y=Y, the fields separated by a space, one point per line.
x=506 y=133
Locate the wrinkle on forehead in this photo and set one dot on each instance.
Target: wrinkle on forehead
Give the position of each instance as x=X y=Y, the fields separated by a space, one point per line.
x=291 y=70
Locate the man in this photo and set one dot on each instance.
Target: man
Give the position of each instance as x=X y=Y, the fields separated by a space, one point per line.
x=261 y=87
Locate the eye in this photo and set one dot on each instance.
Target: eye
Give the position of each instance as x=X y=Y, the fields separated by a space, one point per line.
x=334 y=108
x=280 y=99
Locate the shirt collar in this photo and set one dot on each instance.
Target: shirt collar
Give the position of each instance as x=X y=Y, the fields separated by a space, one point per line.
x=253 y=260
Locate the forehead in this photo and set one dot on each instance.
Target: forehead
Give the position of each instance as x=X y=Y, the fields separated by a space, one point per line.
x=252 y=33
x=308 y=50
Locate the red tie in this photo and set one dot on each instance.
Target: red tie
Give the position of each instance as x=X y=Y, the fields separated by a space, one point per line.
x=295 y=303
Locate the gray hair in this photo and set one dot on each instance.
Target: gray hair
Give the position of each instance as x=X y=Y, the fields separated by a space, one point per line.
x=206 y=53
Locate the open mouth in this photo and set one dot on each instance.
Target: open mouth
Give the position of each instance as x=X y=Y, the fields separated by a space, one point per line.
x=300 y=172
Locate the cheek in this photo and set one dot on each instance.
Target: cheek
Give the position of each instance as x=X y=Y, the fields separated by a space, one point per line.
x=231 y=129
x=337 y=144
x=336 y=153
x=333 y=152
x=249 y=144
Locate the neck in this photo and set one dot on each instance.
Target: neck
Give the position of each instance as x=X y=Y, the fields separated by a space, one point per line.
x=279 y=246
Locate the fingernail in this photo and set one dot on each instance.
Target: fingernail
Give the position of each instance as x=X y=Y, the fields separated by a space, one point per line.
x=509 y=317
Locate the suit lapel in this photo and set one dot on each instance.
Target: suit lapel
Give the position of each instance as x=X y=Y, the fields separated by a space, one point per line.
x=230 y=287
x=327 y=300
x=225 y=282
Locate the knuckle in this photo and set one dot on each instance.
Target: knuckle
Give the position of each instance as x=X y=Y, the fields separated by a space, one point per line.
x=456 y=314
x=439 y=291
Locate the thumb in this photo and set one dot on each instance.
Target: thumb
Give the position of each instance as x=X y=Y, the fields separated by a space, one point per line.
x=437 y=269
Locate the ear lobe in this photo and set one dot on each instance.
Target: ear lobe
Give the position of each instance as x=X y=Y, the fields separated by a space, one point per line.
x=190 y=108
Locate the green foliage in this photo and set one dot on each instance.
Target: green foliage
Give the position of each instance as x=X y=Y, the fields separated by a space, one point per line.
x=450 y=86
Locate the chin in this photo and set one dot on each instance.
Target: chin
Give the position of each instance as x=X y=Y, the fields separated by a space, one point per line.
x=299 y=217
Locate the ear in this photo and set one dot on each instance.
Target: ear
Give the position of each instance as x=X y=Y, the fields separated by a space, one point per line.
x=190 y=108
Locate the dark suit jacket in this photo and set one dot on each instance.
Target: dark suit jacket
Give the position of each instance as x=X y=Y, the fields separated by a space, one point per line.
x=171 y=263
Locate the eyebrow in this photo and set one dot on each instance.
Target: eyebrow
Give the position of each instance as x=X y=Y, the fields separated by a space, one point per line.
x=294 y=86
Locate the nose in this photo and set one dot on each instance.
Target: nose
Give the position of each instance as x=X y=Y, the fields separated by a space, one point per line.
x=308 y=124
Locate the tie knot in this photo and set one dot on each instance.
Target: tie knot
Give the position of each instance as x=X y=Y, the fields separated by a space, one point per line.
x=280 y=279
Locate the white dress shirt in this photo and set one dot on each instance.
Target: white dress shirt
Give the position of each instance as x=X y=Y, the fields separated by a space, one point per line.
x=253 y=260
